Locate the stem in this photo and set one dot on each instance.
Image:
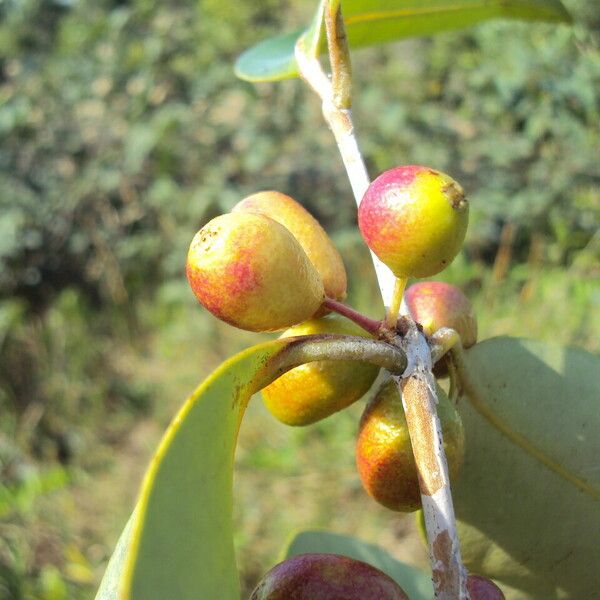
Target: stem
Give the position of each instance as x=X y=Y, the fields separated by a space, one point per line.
x=311 y=348
x=368 y=324
x=449 y=575
x=391 y=317
x=340 y=122
x=417 y=387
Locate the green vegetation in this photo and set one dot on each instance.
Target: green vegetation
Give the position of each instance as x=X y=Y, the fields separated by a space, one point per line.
x=124 y=130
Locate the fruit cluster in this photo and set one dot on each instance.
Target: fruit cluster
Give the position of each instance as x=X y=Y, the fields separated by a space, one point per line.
x=268 y=265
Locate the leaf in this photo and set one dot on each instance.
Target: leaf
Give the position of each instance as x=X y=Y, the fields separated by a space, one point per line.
x=370 y=22
x=415 y=582
x=270 y=60
x=179 y=540
x=529 y=526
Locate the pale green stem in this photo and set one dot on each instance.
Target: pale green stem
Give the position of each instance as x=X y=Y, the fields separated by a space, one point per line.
x=391 y=317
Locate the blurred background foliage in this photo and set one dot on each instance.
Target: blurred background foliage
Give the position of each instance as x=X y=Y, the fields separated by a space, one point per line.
x=123 y=130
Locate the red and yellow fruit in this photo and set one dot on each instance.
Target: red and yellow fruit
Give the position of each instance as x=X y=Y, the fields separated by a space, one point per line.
x=326 y=577
x=313 y=391
x=414 y=219
x=436 y=304
x=384 y=455
x=309 y=233
x=251 y=272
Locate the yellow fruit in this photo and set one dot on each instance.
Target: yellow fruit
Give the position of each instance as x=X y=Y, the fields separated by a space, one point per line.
x=250 y=271
x=414 y=219
x=316 y=390
x=307 y=230
x=384 y=455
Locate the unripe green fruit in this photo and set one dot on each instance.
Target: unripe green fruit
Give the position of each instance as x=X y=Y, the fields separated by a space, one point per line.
x=315 y=390
x=307 y=230
x=482 y=588
x=435 y=304
x=251 y=272
x=326 y=577
x=384 y=456
x=414 y=219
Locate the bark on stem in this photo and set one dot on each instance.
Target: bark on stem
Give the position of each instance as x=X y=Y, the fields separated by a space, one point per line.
x=417 y=387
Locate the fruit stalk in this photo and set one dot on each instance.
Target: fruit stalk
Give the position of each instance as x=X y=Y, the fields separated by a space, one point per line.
x=448 y=572
x=391 y=317
x=368 y=324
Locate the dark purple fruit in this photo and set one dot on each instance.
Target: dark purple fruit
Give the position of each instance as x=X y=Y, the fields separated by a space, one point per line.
x=326 y=577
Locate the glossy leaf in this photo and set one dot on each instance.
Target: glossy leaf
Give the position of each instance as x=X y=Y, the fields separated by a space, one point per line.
x=179 y=541
x=416 y=583
x=370 y=22
x=529 y=526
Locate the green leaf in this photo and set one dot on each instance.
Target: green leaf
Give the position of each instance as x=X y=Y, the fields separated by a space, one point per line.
x=532 y=526
x=370 y=22
x=179 y=540
x=270 y=60
x=413 y=581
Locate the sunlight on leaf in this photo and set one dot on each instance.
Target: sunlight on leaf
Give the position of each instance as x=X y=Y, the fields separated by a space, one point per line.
x=370 y=22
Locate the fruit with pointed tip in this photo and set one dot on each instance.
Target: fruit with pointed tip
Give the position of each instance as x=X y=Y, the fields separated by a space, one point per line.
x=326 y=577
x=307 y=230
x=251 y=272
x=414 y=219
x=315 y=390
x=384 y=456
x=482 y=588
x=436 y=304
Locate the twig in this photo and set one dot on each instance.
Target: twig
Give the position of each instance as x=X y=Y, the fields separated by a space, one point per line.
x=416 y=384
x=368 y=324
x=417 y=387
x=324 y=346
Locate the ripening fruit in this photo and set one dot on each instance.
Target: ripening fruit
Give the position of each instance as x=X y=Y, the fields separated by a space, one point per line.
x=414 y=219
x=326 y=577
x=435 y=304
x=315 y=390
x=307 y=230
x=482 y=588
x=250 y=271
x=384 y=455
